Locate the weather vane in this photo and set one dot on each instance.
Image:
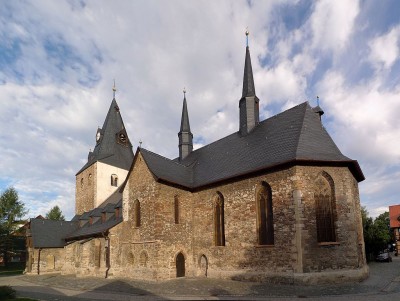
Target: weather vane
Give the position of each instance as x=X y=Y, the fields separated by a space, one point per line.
x=140 y=143
x=247 y=36
x=184 y=92
x=114 y=89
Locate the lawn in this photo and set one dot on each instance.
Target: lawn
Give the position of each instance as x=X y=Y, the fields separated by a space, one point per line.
x=13 y=268
x=7 y=293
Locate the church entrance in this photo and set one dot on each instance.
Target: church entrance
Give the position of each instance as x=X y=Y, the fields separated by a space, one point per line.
x=180 y=265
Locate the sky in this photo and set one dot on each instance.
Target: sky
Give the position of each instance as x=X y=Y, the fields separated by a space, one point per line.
x=58 y=61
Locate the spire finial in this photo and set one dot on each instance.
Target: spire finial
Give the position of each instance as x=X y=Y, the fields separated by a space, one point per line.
x=114 y=89
x=184 y=92
x=317 y=100
x=247 y=36
x=140 y=143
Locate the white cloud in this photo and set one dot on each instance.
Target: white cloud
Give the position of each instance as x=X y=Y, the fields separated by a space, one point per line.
x=332 y=23
x=385 y=49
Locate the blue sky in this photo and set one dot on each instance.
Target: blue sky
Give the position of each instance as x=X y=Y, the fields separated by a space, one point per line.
x=58 y=60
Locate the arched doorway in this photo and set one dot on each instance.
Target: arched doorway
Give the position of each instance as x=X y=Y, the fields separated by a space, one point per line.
x=180 y=265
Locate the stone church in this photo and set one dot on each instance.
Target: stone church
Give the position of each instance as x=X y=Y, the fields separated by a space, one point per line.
x=275 y=201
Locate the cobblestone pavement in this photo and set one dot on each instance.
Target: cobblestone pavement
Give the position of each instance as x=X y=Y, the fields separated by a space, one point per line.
x=383 y=284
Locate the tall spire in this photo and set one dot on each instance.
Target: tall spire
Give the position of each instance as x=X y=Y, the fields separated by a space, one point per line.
x=248 y=104
x=248 y=81
x=185 y=135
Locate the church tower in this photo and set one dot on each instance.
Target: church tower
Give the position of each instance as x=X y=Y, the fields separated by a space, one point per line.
x=185 y=135
x=249 y=103
x=108 y=164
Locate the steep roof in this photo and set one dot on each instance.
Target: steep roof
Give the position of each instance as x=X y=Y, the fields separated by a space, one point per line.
x=248 y=81
x=107 y=149
x=50 y=234
x=185 y=125
x=295 y=135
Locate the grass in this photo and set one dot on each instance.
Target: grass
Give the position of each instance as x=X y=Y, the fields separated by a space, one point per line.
x=13 y=268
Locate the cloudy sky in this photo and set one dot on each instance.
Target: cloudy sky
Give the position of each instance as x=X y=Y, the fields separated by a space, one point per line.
x=58 y=60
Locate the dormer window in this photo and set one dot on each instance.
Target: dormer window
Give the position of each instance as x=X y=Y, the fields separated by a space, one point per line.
x=117 y=212
x=103 y=217
x=114 y=180
x=91 y=220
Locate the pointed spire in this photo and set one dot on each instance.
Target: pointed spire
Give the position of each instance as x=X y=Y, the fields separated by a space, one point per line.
x=249 y=103
x=248 y=81
x=185 y=135
x=185 y=125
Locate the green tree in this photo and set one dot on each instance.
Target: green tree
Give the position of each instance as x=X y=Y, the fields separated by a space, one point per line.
x=11 y=211
x=55 y=214
x=377 y=233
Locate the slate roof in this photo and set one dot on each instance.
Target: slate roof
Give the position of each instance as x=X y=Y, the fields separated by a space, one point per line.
x=185 y=125
x=107 y=150
x=49 y=234
x=295 y=135
x=55 y=234
x=248 y=81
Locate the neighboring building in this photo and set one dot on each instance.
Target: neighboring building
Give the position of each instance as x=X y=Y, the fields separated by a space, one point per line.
x=394 y=216
x=274 y=201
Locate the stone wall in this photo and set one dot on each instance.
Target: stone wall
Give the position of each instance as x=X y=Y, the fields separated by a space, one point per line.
x=43 y=261
x=150 y=250
x=85 y=189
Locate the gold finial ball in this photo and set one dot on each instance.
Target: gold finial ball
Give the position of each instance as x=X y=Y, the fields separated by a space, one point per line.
x=247 y=32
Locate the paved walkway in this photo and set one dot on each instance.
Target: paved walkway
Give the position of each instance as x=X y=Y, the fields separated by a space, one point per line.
x=383 y=284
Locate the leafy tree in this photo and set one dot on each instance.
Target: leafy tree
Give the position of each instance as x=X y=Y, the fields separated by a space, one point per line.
x=377 y=233
x=11 y=211
x=55 y=214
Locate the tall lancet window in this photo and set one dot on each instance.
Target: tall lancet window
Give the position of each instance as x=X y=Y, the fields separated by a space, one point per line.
x=265 y=217
x=219 y=220
x=136 y=208
x=176 y=209
x=324 y=195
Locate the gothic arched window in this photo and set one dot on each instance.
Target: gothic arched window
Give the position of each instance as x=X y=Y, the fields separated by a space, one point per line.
x=324 y=196
x=219 y=220
x=265 y=217
x=136 y=208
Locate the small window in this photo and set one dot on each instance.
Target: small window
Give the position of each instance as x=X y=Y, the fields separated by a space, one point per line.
x=103 y=217
x=117 y=212
x=176 y=210
x=137 y=213
x=114 y=180
x=91 y=220
x=89 y=179
x=82 y=182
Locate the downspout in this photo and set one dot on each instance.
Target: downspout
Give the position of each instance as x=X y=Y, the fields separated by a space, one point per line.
x=108 y=265
x=38 y=262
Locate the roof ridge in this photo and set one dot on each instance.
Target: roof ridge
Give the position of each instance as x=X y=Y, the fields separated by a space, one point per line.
x=301 y=128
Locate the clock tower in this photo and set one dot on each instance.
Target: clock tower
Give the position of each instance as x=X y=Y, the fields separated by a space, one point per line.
x=107 y=165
